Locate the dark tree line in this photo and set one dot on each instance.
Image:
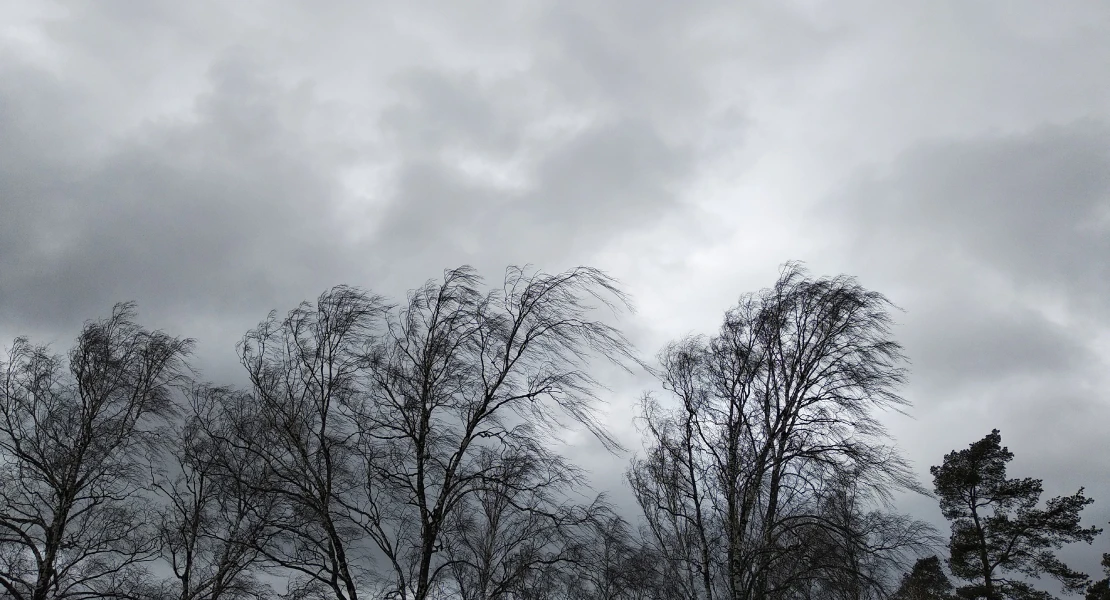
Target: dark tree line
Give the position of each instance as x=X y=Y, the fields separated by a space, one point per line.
x=406 y=451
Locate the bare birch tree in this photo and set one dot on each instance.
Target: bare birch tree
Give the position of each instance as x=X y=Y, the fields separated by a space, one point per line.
x=214 y=522
x=521 y=522
x=463 y=384
x=74 y=436
x=768 y=413
x=307 y=372
x=381 y=429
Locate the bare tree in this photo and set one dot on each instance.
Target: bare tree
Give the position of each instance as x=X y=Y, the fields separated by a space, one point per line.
x=462 y=377
x=380 y=429
x=769 y=413
x=216 y=510
x=620 y=566
x=307 y=372
x=851 y=547
x=678 y=525
x=73 y=443
x=522 y=521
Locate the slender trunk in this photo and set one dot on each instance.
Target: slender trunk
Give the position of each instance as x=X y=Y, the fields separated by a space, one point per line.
x=769 y=521
x=733 y=530
x=190 y=545
x=54 y=536
x=706 y=571
x=423 y=585
x=340 y=560
x=735 y=526
x=988 y=582
x=50 y=557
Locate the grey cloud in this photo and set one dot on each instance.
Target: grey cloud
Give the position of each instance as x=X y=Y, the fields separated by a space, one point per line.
x=986 y=238
x=962 y=341
x=440 y=111
x=997 y=246
x=577 y=186
x=198 y=157
x=583 y=194
x=644 y=119
x=619 y=175
x=1034 y=206
x=667 y=60
x=212 y=215
x=217 y=214
x=232 y=202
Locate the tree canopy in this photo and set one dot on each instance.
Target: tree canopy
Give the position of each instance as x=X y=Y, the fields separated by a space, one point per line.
x=383 y=449
x=1000 y=539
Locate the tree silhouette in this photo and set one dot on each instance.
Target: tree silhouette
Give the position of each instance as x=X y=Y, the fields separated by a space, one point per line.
x=1100 y=590
x=297 y=422
x=408 y=449
x=463 y=388
x=74 y=437
x=770 y=448
x=997 y=529
x=926 y=581
x=215 y=514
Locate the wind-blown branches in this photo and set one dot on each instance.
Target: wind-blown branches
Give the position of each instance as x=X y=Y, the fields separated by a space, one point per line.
x=215 y=512
x=462 y=384
x=72 y=444
x=375 y=429
x=297 y=425
x=769 y=415
x=410 y=451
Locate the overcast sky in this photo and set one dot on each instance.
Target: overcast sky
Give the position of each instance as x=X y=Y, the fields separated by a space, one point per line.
x=216 y=160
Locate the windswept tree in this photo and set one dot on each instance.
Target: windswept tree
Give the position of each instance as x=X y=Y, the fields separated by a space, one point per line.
x=1000 y=539
x=74 y=436
x=384 y=431
x=463 y=385
x=619 y=566
x=520 y=523
x=766 y=421
x=215 y=511
x=854 y=552
x=308 y=377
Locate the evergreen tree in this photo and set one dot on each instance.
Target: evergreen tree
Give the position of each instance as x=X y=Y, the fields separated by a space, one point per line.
x=926 y=581
x=997 y=530
x=1100 y=590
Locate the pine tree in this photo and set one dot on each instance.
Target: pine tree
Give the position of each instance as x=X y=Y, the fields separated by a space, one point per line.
x=1100 y=590
x=926 y=581
x=998 y=533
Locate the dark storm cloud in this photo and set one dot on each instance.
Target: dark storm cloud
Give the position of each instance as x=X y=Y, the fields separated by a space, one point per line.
x=196 y=158
x=231 y=205
x=215 y=213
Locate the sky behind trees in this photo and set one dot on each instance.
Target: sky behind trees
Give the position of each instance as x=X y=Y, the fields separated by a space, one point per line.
x=213 y=162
